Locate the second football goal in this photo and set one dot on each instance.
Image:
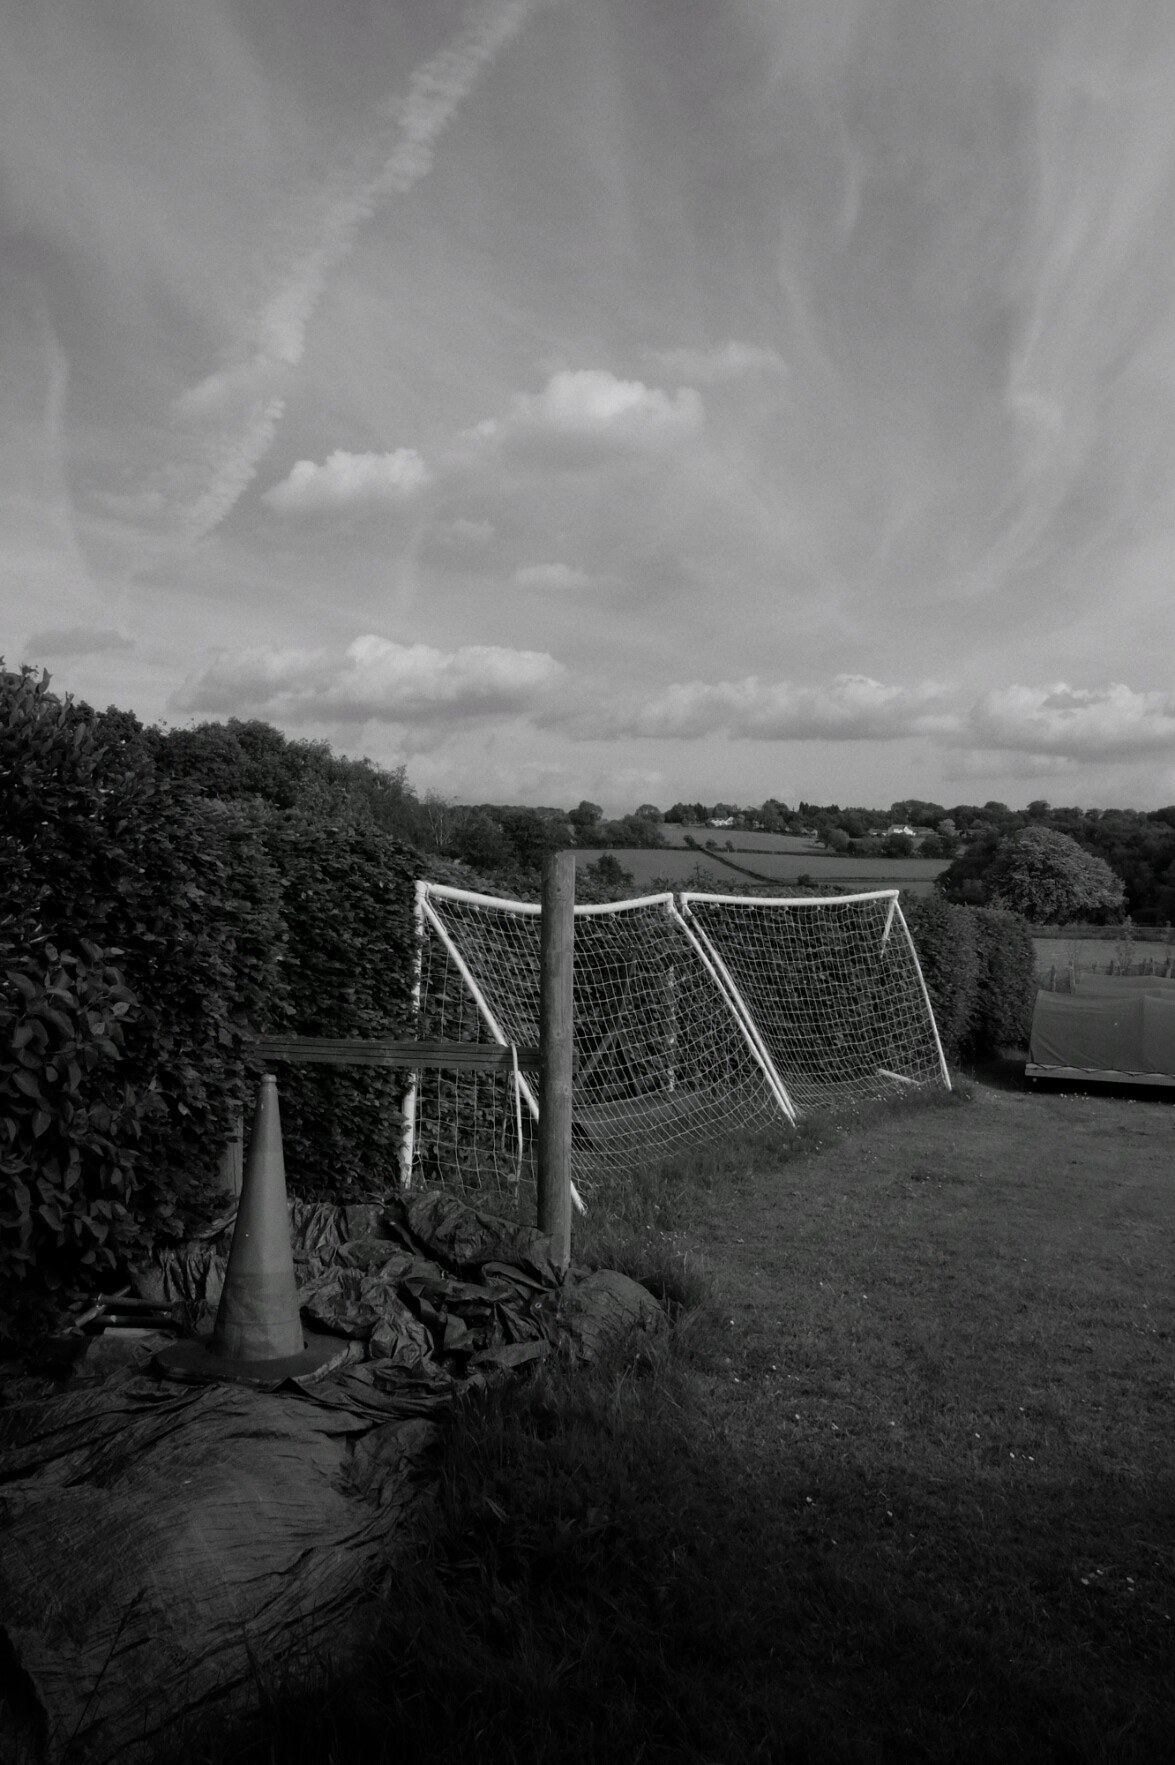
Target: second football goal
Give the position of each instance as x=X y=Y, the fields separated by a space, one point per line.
x=697 y=1016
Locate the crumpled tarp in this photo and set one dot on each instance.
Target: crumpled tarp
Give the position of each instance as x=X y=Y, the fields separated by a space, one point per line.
x=157 y=1539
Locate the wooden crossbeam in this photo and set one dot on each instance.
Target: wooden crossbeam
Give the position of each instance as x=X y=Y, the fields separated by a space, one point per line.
x=407 y=1056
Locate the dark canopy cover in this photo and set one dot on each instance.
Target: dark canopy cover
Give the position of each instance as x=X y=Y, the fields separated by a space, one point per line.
x=1112 y=1024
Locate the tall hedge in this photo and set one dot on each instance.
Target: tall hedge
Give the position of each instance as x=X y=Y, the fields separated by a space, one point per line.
x=944 y=937
x=117 y=946
x=347 y=970
x=979 y=964
x=1005 y=983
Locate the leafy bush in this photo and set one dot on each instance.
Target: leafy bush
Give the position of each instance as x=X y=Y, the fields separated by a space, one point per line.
x=944 y=937
x=1005 y=991
x=979 y=965
x=68 y=1120
x=347 y=970
x=115 y=886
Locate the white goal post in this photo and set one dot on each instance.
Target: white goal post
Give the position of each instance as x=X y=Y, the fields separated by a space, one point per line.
x=697 y=1016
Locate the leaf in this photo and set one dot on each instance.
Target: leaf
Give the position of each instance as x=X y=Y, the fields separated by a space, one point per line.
x=25 y=1082
x=22 y=983
x=41 y=1122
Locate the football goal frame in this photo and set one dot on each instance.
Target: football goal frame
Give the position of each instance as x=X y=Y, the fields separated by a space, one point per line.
x=697 y=1015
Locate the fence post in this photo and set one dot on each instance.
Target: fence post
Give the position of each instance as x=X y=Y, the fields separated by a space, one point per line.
x=232 y=1159
x=556 y=1044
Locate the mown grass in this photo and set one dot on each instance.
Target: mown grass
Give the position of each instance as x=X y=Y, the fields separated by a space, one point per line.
x=895 y=1486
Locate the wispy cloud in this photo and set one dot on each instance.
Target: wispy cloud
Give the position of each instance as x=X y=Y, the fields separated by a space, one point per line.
x=725 y=361
x=238 y=408
x=77 y=640
x=559 y=577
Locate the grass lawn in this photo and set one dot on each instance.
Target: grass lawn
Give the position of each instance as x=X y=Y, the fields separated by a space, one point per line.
x=898 y=1487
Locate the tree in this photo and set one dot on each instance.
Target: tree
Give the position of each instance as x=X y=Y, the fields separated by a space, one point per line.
x=648 y=812
x=1052 y=880
x=477 y=839
x=585 y=816
x=608 y=870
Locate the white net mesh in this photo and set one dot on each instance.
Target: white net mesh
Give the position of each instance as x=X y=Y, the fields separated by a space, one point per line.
x=729 y=1014
x=662 y=1064
x=833 y=988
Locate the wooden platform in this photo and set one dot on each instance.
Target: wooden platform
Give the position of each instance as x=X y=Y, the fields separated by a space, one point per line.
x=1090 y=1076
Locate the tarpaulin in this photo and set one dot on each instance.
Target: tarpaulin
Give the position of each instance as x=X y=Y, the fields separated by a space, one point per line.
x=1111 y=1024
x=158 y=1539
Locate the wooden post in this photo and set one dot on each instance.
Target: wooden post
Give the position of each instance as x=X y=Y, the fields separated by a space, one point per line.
x=232 y=1160
x=556 y=1044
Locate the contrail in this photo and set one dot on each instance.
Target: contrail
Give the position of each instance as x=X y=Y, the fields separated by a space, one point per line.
x=251 y=390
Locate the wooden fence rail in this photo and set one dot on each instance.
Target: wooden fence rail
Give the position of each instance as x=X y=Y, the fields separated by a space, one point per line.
x=404 y=1056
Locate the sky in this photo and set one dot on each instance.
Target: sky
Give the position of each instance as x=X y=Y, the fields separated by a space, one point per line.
x=637 y=400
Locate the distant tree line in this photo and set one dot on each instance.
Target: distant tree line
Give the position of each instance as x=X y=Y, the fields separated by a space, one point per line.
x=248 y=758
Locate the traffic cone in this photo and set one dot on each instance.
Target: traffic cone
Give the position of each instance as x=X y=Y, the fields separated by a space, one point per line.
x=257 y=1338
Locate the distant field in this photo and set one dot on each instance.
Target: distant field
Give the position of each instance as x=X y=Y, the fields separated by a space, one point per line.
x=676 y=863
x=1091 y=953
x=675 y=835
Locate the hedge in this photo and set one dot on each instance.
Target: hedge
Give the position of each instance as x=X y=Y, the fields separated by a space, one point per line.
x=979 y=964
x=113 y=893
x=347 y=970
x=147 y=930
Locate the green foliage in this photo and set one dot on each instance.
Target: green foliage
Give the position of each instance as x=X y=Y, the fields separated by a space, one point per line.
x=1051 y=880
x=979 y=965
x=69 y=1122
x=1005 y=988
x=235 y=760
x=347 y=915
x=608 y=870
x=944 y=937
x=115 y=891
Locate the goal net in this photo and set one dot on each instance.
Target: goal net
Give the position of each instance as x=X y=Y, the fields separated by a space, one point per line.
x=831 y=986
x=696 y=1018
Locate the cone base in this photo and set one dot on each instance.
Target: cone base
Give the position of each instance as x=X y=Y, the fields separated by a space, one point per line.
x=195 y=1363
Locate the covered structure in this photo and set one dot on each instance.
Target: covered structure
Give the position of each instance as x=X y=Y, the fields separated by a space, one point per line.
x=1113 y=1029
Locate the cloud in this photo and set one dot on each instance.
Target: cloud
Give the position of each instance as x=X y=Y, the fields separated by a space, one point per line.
x=247 y=681
x=553 y=576
x=852 y=707
x=726 y=361
x=77 y=640
x=1087 y=723
x=348 y=479
x=586 y=413
x=1056 y=724
x=375 y=679
x=461 y=534
x=245 y=397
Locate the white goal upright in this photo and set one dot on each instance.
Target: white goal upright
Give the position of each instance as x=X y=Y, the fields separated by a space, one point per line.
x=697 y=1017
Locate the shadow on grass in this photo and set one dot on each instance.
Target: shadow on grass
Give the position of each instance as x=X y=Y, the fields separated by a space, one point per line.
x=601 y=1582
